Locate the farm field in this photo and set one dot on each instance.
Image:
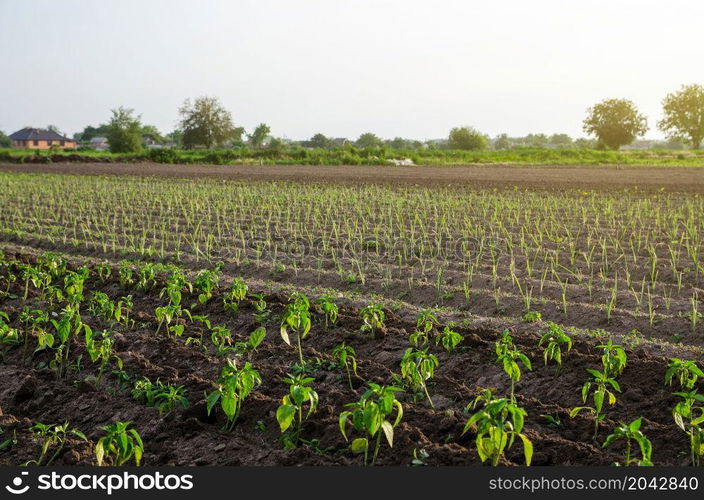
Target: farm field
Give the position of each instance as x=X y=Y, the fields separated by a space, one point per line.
x=444 y=281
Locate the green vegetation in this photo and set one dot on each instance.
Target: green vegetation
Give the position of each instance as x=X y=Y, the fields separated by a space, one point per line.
x=351 y=155
x=684 y=115
x=124 y=131
x=616 y=122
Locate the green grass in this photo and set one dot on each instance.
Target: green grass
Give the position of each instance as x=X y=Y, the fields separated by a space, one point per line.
x=370 y=156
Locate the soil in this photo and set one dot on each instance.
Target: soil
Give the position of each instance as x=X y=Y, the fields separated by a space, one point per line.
x=188 y=436
x=685 y=179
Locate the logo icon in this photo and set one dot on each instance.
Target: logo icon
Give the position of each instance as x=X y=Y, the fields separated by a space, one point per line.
x=17 y=483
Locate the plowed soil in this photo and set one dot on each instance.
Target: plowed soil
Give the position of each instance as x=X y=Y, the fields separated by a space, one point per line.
x=687 y=179
x=188 y=436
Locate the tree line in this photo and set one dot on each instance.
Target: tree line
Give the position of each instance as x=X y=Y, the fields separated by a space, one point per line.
x=205 y=123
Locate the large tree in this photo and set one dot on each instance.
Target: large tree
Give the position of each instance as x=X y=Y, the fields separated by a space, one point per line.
x=467 y=138
x=205 y=122
x=502 y=141
x=684 y=115
x=257 y=138
x=560 y=140
x=5 y=141
x=89 y=132
x=616 y=122
x=319 y=141
x=151 y=132
x=124 y=131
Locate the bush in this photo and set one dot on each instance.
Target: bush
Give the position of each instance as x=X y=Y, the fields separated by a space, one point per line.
x=162 y=155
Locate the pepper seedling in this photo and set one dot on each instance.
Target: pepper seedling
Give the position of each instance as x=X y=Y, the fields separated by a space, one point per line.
x=631 y=432
x=497 y=424
x=234 y=385
x=300 y=393
x=121 y=443
x=372 y=416
x=346 y=356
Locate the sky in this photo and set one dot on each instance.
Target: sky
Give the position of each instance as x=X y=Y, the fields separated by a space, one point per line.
x=409 y=68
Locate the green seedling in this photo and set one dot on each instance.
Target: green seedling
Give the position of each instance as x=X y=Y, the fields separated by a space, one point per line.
x=686 y=372
x=100 y=351
x=237 y=293
x=255 y=339
x=426 y=321
x=532 y=317
x=261 y=315
x=373 y=318
x=52 y=435
x=449 y=339
x=417 y=367
x=601 y=385
x=346 y=356
x=221 y=337
x=631 y=433
x=121 y=444
x=689 y=416
x=207 y=282
x=291 y=409
x=233 y=387
x=296 y=319
x=328 y=309
x=555 y=339
x=613 y=358
x=497 y=424
x=372 y=416
x=509 y=356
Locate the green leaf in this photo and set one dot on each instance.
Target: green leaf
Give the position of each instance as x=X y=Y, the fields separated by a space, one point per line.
x=527 y=448
x=285 y=415
x=388 y=432
x=359 y=445
x=635 y=425
x=99 y=452
x=211 y=400
x=284 y=335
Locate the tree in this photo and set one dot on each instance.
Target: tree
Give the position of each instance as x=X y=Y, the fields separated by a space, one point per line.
x=401 y=143
x=583 y=143
x=5 y=141
x=257 y=138
x=205 y=122
x=124 y=131
x=276 y=143
x=536 y=140
x=560 y=140
x=237 y=136
x=368 y=140
x=151 y=132
x=502 y=141
x=319 y=141
x=467 y=138
x=89 y=132
x=616 y=122
x=684 y=115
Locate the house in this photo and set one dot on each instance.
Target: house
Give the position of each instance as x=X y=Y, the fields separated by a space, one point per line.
x=99 y=143
x=35 y=138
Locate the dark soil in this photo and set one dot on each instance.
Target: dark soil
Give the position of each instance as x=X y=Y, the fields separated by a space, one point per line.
x=684 y=179
x=188 y=436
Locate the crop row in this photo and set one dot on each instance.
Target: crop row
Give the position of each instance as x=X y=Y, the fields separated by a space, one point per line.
x=60 y=333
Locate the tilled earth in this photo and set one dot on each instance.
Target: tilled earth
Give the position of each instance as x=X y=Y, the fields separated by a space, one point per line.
x=682 y=179
x=188 y=436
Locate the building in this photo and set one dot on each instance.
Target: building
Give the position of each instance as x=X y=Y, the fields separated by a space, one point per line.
x=35 y=138
x=99 y=143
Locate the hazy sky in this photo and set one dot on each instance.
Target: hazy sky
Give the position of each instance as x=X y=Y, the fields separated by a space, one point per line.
x=406 y=68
